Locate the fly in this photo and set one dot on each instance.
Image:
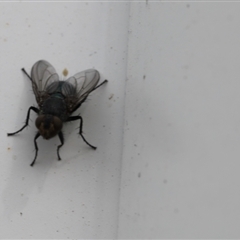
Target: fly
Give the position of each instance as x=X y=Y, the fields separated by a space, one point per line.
x=57 y=100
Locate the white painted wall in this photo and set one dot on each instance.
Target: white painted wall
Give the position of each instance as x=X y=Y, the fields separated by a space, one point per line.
x=168 y=142
x=181 y=158
x=79 y=196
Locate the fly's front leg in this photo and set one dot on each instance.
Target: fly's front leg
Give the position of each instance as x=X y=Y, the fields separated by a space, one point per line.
x=60 y=135
x=26 y=122
x=74 y=118
x=36 y=148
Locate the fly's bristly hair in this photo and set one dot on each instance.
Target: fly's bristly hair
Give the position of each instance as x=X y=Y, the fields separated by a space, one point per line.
x=57 y=100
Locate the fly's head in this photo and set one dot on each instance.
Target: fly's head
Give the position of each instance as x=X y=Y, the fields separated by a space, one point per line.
x=48 y=125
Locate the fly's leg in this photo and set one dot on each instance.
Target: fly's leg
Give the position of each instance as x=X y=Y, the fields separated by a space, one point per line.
x=26 y=73
x=74 y=118
x=36 y=148
x=105 y=81
x=26 y=122
x=60 y=135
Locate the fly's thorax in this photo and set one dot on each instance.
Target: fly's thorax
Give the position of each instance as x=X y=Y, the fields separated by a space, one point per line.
x=55 y=105
x=48 y=125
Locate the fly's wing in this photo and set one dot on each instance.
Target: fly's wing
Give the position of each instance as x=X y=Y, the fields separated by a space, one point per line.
x=44 y=80
x=77 y=88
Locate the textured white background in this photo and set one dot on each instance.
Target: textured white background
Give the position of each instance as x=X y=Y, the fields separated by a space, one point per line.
x=167 y=163
x=77 y=197
x=180 y=171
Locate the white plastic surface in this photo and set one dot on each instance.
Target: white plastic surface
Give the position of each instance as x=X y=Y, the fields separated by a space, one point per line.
x=167 y=125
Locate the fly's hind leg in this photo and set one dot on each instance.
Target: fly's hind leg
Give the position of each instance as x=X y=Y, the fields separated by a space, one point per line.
x=26 y=73
x=105 y=81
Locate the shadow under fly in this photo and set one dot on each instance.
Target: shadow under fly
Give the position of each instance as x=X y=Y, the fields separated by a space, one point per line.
x=57 y=100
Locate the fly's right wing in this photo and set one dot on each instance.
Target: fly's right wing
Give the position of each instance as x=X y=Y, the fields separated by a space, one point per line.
x=45 y=80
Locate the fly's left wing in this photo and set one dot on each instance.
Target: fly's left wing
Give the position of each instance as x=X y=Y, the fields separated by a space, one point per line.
x=77 y=88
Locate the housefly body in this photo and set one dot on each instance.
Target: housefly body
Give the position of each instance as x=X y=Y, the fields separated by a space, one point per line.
x=57 y=100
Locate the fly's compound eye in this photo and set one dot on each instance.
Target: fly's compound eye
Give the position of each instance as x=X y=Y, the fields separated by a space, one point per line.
x=48 y=125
